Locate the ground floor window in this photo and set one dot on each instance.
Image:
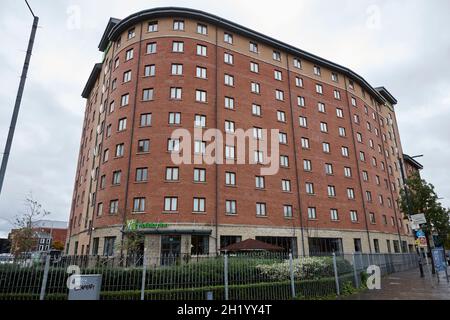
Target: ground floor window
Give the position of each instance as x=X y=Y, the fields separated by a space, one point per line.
x=325 y=245
x=108 y=248
x=404 y=247
x=289 y=244
x=411 y=248
x=388 y=244
x=357 y=244
x=95 y=246
x=396 y=246
x=376 y=245
x=199 y=244
x=227 y=240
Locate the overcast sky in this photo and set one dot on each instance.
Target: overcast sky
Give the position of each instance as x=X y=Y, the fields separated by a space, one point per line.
x=402 y=45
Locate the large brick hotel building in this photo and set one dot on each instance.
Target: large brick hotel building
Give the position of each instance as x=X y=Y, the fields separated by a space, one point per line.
x=169 y=68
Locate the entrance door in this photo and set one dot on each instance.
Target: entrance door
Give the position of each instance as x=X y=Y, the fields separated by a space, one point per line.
x=170 y=249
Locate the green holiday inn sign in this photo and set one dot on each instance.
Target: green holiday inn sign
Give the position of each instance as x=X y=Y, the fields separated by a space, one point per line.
x=133 y=225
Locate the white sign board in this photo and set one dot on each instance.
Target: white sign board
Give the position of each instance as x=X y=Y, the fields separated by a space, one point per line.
x=87 y=287
x=418 y=218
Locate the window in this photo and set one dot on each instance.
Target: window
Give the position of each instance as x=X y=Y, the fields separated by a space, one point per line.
x=174 y=117
x=152 y=26
x=350 y=84
x=199 y=175
x=359 y=137
x=228 y=38
x=321 y=107
x=324 y=127
x=149 y=70
x=111 y=107
x=276 y=56
x=138 y=205
x=102 y=181
x=229 y=103
x=298 y=82
x=282 y=138
x=170 y=204
x=253 y=47
x=147 y=94
x=105 y=155
x=305 y=143
x=122 y=124
x=230 y=178
x=200 y=96
x=259 y=182
x=255 y=88
x=131 y=33
x=141 y=174
x=229 y=152
x=372 y=217
x=331 y=191
x=128 y=56
x=177 y=46
x=287 y=211
x=278 y=75
x=344 y=151
x=228 y=58
x=151 y=47
x=353 y=216
x=175 y=93
x=99 y=209
x=307 y=166
x=178 y=25
x=347 y=172
x=113 y=206
x=284 y=161
x=309 y=188
x=199 y=205
x=342 y=132
x=124 y=100
x=144 y=145
x=286 y=185
x=230 y=206
x=254 y=67
x=201 y=50
x=353 y=102
x=351 y=193
x=256 y=110
x=279 y=95
x=114 y=84
x=297 y=63
x=146 y=120
x=177 y=69
x=328 y=168
x=339 y=113
x=258 y=156
x=116 y=63
x=369 y=196
x=199 y=147
x=334 y=77
x=326 y=147
x=312 y=213
x=319 y=89
x=172 y=173
x=301 y=101
x=356 y=118
x=229 y=126
x=119 y=150
x=317 y=70
x=116 y=177
x=229 y=80
x=108 y=248
x=173 y=145
x=261 y=209
x=334 y=215
x=303 y=122
x=281 y=116
x=200 y=121
x=384 y=219
x=202 y=29
x=337 y=95
x=200 y=72
x=362 y=156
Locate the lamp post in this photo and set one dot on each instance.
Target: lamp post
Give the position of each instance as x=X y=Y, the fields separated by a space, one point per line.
x=15 y=114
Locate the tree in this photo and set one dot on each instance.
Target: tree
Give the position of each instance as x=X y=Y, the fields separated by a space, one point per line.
x=24 y=239
x=419 y=196
x=58 y=245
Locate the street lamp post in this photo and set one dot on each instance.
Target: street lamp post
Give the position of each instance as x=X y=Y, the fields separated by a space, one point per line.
x=15 y=114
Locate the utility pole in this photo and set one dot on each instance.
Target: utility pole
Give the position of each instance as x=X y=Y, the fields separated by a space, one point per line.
x=15 y=114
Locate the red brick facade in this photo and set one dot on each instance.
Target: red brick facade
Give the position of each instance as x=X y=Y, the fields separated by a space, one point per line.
x=372 y=110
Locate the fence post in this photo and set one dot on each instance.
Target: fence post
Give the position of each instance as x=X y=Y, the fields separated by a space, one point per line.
x=291 y=271
x=44 y=278
x=336 y=276
x=355 y=271
x=225 y=274
x=144 y=273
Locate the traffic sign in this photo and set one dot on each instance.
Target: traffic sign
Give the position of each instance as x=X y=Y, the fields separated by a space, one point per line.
x=420 y=234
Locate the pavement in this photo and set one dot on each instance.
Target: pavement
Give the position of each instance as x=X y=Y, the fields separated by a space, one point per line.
x=408 y=285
